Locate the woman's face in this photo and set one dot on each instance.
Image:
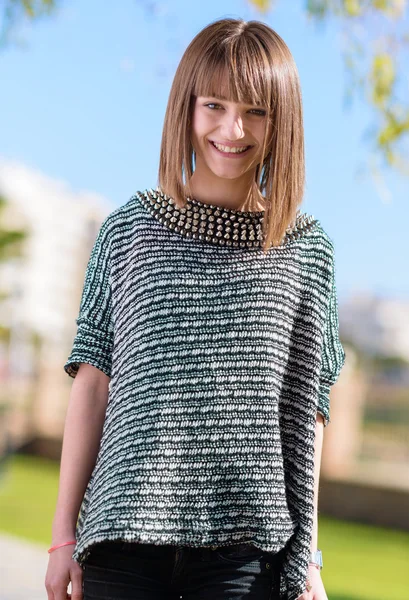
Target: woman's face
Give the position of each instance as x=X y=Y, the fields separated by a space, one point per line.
x=227 y=136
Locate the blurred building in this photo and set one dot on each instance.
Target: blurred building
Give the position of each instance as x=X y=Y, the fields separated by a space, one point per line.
x=41 y=293
x=377 y=325
x=365 y=455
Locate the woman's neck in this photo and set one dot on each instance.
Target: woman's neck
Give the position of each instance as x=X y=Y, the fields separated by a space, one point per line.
x=226 y=194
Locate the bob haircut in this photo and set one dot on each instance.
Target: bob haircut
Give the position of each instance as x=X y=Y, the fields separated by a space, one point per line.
x=249 y=63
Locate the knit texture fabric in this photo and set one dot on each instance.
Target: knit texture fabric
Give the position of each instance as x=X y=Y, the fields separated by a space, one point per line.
x=219 y=359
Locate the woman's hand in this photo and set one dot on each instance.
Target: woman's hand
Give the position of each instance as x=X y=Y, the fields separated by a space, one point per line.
x=63 y=569
x=317 y=591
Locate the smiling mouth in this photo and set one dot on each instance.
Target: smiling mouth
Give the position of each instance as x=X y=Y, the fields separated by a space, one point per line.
x=239 y=152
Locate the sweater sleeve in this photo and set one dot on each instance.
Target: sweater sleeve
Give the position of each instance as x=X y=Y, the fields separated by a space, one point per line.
x=94 y=338
x=297 y=439
x=333 y=354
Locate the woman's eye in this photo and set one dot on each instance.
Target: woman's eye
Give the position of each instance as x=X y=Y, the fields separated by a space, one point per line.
x=257 y=111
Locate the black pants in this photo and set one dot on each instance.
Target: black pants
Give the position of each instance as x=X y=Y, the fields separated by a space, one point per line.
x=133 y=571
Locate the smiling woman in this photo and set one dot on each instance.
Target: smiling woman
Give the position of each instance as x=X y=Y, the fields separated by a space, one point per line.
x=222 y=131
x=252 y=98
x=208 y=326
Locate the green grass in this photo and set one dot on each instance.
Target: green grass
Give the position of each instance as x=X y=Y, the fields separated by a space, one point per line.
x=28 y=494
x=361 y=562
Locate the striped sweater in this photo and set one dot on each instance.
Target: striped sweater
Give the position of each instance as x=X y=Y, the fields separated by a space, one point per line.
x=218 y=359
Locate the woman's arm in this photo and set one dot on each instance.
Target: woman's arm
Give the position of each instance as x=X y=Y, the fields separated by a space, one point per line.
x=317 y=591
x=82 y=435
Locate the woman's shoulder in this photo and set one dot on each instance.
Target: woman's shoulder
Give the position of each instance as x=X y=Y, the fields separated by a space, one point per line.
x=318 y=246
x=122 y=217
x=318 y=234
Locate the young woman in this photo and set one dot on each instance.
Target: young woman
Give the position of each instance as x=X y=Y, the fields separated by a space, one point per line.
x=207 y=343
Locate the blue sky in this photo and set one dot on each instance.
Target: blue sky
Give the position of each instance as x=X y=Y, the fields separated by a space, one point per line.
x=85 y=102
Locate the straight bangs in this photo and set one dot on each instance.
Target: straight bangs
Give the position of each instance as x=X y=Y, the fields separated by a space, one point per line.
x=247 y=63
x=238 y=75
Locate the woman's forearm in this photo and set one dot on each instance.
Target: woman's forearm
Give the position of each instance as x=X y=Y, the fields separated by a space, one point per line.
x=319 y=436
x=82 y=435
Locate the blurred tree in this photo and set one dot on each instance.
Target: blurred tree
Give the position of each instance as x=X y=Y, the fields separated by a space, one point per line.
x=376 y=38
x=14 y=11
x=10 y=239
x=11 y=246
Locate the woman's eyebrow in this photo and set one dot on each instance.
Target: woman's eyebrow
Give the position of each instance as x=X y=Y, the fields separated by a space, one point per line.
x=221 y=97
x=216 y=96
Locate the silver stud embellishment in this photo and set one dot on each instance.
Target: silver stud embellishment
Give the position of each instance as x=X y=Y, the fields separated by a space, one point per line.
x=213 y=224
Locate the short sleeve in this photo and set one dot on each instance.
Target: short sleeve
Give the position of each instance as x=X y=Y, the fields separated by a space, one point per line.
x=94 y=338
x=333 y=354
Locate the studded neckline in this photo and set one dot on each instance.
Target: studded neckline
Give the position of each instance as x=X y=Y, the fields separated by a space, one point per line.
x=215 y=224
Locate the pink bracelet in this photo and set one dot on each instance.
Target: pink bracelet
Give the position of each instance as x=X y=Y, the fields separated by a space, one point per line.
x=60 y=546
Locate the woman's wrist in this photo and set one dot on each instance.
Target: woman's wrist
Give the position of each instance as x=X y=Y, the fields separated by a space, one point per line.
x=62 y=545
x=61 y=535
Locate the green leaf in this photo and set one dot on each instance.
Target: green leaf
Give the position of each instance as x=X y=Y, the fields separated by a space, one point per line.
x=382 y=77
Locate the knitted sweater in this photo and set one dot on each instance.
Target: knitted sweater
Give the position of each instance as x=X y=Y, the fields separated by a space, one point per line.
x=219 y=358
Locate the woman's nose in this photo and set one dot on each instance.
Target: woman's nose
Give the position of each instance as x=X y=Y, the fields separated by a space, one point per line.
x=232 y=127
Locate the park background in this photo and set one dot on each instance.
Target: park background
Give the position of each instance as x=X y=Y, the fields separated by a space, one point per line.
x=84 y=93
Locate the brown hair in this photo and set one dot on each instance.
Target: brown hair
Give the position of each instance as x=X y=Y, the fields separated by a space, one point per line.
x=261 y=71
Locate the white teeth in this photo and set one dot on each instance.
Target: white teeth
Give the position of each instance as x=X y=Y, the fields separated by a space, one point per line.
x=230 y=149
